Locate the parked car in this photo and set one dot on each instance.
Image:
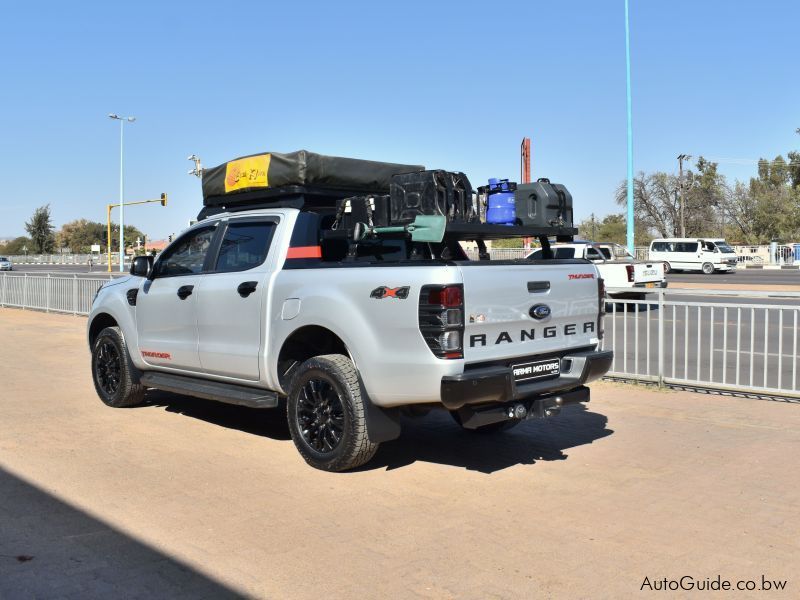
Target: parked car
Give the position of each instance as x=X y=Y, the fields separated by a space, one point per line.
x=693 y=254
x=616 y=265
x=6 y=264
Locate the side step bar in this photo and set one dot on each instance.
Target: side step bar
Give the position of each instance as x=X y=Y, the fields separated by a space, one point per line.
x=211 y=390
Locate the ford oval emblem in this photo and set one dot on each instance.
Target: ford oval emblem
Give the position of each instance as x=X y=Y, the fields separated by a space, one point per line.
x=540 y=311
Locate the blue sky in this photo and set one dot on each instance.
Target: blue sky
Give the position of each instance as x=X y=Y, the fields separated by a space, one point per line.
x=452 y=85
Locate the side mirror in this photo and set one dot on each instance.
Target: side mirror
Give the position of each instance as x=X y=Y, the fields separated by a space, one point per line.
x=141 y=266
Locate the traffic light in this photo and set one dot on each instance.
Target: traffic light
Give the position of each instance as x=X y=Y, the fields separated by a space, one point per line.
x=164 y=199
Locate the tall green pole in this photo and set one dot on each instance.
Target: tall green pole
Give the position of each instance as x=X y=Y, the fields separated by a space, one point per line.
x=630 y=129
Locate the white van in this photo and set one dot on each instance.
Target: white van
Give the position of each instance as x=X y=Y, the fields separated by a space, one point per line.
x=693 y=254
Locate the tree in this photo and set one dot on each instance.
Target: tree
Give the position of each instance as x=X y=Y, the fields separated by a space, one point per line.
x=40 y=228
x=79 y=235
x=613 y=228
x=16 y=246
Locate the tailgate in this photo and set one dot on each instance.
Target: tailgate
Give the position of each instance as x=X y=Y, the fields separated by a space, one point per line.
x=648 y=272
x=499 y=303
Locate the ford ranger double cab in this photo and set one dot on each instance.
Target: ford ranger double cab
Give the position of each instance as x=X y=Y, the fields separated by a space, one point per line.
x=621 y=272
x=266 y=303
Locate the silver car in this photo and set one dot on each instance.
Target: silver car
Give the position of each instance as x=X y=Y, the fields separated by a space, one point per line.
x=5 y=264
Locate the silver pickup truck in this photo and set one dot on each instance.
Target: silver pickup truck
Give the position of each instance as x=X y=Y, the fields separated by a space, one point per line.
x=255 y=308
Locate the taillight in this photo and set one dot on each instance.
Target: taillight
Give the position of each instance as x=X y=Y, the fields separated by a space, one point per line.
x=601 y=308
x=441 y=319
x=629 y=269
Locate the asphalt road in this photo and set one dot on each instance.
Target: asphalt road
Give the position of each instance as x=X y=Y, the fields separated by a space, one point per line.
x=82 y=270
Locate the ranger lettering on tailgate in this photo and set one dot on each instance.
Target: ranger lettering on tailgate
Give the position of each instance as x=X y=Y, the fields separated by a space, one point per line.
x=479 y=339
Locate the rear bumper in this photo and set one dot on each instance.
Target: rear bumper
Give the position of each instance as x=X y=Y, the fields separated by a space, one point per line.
x=496 y=385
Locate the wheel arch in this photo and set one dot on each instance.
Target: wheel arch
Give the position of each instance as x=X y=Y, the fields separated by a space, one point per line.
x=306 y=342
x=99 y=322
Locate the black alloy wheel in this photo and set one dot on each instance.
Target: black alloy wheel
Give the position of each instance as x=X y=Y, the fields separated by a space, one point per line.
x=326 y=409
x=320 y=416
x=108 y=368
x=116 y=379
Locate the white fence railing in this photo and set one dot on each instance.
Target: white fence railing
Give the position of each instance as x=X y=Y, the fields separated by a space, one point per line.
x=746 y=344
x=51 y=293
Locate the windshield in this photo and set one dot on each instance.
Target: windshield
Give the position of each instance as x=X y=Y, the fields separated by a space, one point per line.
x=724 y=247
x=3 y=259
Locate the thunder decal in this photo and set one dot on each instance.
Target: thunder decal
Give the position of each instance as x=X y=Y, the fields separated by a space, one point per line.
x=151 y=354
x=581 y=275
x=379 y=293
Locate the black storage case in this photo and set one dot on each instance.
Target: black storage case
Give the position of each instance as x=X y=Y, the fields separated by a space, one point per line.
x=431 y=193
x=543 y=204
x=372 y=210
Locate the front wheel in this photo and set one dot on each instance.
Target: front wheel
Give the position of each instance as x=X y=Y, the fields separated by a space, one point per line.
x=116 y=379
x=667 y=268
x=326 y=414
x=708 y=268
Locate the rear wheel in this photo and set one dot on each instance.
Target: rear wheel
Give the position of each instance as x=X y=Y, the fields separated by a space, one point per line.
x=116 y=379
x=491 y=428
x=708 y=268
x=326 y=414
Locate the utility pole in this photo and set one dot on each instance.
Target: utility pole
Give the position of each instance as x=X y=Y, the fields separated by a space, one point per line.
x=681 y=158
x=594 y=229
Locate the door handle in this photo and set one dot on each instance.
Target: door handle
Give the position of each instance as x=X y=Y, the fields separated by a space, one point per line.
x=185 y=291
x=246 y=288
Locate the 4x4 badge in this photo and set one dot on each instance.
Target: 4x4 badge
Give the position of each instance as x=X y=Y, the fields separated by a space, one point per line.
x=401 y=293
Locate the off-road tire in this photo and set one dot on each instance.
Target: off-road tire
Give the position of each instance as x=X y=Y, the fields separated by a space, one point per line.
x=354 y=447
x=498 y=427
x=128 y=391
x=708 y=268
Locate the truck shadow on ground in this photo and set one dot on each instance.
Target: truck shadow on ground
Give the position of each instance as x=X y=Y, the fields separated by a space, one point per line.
x=52 y=549
x=435 y=438
x=269 y=423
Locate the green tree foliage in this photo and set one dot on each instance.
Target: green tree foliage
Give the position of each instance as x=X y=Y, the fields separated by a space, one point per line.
x=16 y=246
x=613 y=228
x=79 y=235
x=40 y=229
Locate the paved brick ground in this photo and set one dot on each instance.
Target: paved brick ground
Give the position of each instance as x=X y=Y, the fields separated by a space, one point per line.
x=192 y=499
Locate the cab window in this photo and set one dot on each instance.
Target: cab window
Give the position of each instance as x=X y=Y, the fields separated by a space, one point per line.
x=593 y=254
x=187 y=255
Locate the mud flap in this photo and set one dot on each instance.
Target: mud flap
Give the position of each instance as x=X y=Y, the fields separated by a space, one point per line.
x=383 y=424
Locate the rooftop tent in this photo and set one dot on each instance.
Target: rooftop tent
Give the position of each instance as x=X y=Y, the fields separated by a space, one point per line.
x=276 y=175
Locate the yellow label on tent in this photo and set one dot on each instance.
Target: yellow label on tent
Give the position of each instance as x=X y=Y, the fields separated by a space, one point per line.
x=247 y=172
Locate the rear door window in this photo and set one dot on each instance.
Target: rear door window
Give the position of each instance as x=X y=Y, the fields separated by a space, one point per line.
x=244 y=246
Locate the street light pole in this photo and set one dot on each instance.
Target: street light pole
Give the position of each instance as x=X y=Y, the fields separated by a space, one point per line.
x=630 y=219
x=681 y=158
x=122 y=121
